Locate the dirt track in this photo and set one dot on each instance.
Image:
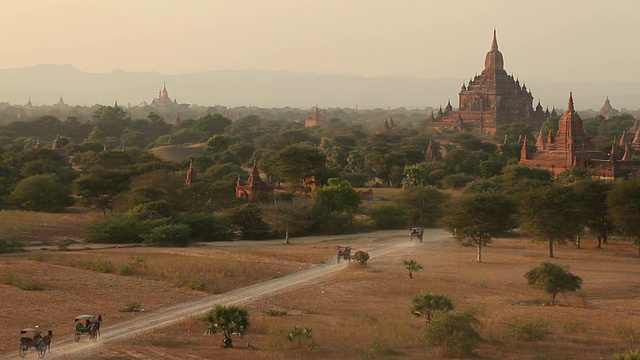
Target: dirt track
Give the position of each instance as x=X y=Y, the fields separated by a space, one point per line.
x=378 y=244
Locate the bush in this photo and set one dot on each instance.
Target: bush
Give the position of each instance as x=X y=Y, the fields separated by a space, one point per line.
x=132 y=306
x=299 y=334
x=425 y=304
x=533 y=330
x=628 y=355
x=168 y=235
x=205 y=227
x=9 y=246
x=275 y=313
x=99 y=265
x=337 y=222
x=42 y=193
x=7 y=278
x=196 y=284
x=455 y=332
x=361 y=257
x=124 y=270
x=29 y=286
x=116 y=229
x=63 y=245
x=626 y=333
x=388 y=216
x=456 y=181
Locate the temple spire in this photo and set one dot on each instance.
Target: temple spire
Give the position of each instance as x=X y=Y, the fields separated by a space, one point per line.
x=494 y=44
x=570 y=107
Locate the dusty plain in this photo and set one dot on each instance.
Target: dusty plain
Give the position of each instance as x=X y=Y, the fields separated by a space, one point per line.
x=360 y=313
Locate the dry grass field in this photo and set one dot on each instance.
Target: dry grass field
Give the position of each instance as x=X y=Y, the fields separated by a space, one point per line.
x=361 y=313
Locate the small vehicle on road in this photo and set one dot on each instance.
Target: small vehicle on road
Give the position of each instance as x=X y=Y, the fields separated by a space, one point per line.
x=416 y=233
x=31 y=338
x=87 y=325
x=344 y=253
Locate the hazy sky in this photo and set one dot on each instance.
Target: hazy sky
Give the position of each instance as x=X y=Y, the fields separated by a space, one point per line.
x=542 y=40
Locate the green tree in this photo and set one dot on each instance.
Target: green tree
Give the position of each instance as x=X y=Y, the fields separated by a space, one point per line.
x=297 y=162
x=289 y=217
x=212 y=124
x=337 y=196
x=549 y=214
x=425 y=303
x=229 y=320
x=592 y=203
x=388 y=216
x=111 y=120
x=411 y=265
x=423 y=204
x=41 y=193
x=99 y=187
x=624 y=202
x=475 y=219
x=218 y=143
x=553 y=279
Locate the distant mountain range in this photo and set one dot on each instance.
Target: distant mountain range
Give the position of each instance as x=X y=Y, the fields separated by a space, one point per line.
x=45 y=84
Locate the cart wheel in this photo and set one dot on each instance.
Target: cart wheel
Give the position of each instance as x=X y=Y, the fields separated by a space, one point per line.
x=76 y=336
x=23 y=350
x=42 y=349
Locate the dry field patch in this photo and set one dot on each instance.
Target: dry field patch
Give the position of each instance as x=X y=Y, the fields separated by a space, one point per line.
x=363 y=313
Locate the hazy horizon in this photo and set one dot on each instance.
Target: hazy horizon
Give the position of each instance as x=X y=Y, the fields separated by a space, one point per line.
x=548 y=41
x=545 y=42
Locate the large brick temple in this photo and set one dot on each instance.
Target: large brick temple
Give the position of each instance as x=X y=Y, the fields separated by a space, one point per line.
x=491 y=99
x=570 y=148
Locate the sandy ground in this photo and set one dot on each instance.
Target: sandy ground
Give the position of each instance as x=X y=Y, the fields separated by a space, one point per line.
x=583 y=326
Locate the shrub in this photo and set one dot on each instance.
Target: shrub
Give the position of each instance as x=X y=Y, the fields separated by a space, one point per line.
x=124 y=270
x=628 y=355
x=205 y=227
x=63 y=245
x=168 y=235
x=456 y=181
x=425 y=304
x=388 y=216
x=132 y=306
x=42 y=193
x=99 y=265
x=196 y=284
x=456 y=333
x=8 y=278
x=9 y=246
x=116 y=229
x=299 y=334
x=533 y=330
x=361 y=257
x=275 y=313
x=626 y=333
x=29 y=285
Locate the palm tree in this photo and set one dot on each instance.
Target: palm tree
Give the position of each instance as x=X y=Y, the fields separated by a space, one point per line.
x=426 y=302
x=230 y=320
x=411 y=265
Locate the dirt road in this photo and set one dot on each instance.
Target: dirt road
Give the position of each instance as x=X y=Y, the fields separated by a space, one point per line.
x=378 y=244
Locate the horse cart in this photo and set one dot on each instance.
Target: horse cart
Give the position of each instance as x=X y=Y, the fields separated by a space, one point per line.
x=344 y=253
x=32 y=338
x=416 y=233
x=87 y=325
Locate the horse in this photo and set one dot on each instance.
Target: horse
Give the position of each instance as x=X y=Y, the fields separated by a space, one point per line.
x=47 y=340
